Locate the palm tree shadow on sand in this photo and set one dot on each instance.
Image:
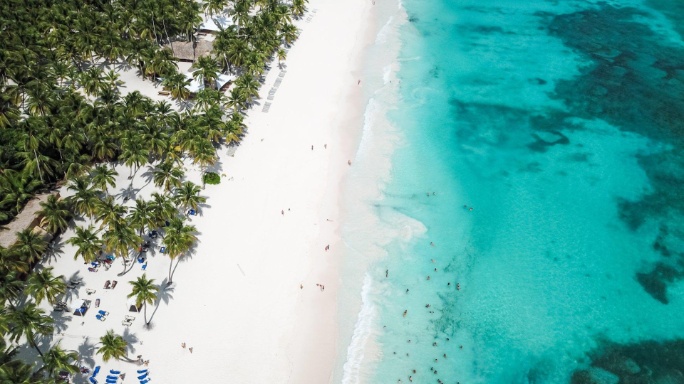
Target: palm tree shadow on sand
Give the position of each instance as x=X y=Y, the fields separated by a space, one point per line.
x=165 y=295
x=86 y=352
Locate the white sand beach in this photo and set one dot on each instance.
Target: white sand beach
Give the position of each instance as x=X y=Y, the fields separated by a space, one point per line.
x=236 y=301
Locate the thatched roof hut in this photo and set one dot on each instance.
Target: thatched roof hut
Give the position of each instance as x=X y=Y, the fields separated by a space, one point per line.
x=183 y=51
x=27 y=218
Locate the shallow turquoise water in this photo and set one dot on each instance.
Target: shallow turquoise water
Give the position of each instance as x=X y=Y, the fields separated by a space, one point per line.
x=560 y=123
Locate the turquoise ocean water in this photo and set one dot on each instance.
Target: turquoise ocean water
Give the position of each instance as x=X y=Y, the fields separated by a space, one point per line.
x=531 y=195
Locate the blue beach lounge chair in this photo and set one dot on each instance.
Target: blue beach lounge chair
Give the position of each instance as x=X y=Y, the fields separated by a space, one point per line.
x=100 y=317
x=111 y=381
x=112 y=377
x=144 y=267
x=142 y=370
x=96 y=371
x=103 y=312
x=92 y=380
x=144 y=375
x=162 y=250
x=113 y=372
x=145 y=381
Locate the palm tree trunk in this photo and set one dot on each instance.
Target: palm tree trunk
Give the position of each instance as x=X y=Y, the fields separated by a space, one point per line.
x=170 y=273
x=34 y=345
x=40 y=173
x=145 y=313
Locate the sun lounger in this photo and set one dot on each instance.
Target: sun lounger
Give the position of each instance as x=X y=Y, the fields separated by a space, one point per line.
x=101 y=317
x=113 y=372
x=112 y=377
x=91 y=269
x=103 y=312
x=92 y=380
x=111 y=381
x=96 y=371
x=126 y=323
x=144 y=267
x=142 y=370
x=145 y=381
x=162 y=250
x=144 y=375
x=90 y=291
x=107 y=284
x=129 y=317
x=114 y=283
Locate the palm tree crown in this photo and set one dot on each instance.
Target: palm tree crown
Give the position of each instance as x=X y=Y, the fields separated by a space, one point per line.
x=144 y=291
x=44 y=285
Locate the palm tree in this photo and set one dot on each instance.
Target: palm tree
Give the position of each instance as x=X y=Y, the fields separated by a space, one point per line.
x=16 y=188
x=102 y=147
x=212 y=7
x=179 y=238
x=102 y=177
x=58 y=359
x=145 y=292
x=44 y=285
x=16 y=372
x=206 y=70
x=204 y=155
x=177 y=84
x=54 y=214
x=29 y=321
x=109 y=212
x=113 y=346
x=87 y=243
x=11 y=285
x=140 y=216
x=30 y=142
x=299 y=8
x=92 y=80
x=282 y=55
x=120 y=238
x=187 y=196
x=84 y=201
x=237 y=99
x=249 y=84
x=166 y=174
x=134 y=154
x=30 y=245
x=234 y=128
x=162 y=209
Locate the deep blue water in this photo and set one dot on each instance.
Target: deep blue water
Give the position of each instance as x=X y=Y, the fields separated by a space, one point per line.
x=561 y=124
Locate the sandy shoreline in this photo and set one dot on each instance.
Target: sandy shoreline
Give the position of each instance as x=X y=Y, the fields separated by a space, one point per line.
x=237 y=299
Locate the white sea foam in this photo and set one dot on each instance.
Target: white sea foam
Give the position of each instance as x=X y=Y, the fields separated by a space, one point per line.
x=384 y=32
x=386 y=74
x=369 y=118
x=362 y=332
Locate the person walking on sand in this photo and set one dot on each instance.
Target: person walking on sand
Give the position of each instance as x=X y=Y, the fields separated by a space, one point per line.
x=190 y=349
x=183 y=344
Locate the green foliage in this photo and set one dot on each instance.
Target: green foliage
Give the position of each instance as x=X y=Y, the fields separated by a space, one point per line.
x=212 y=178
x=62 y=115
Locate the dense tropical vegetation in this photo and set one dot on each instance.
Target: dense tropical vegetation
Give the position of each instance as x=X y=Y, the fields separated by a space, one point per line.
x=64 y=118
